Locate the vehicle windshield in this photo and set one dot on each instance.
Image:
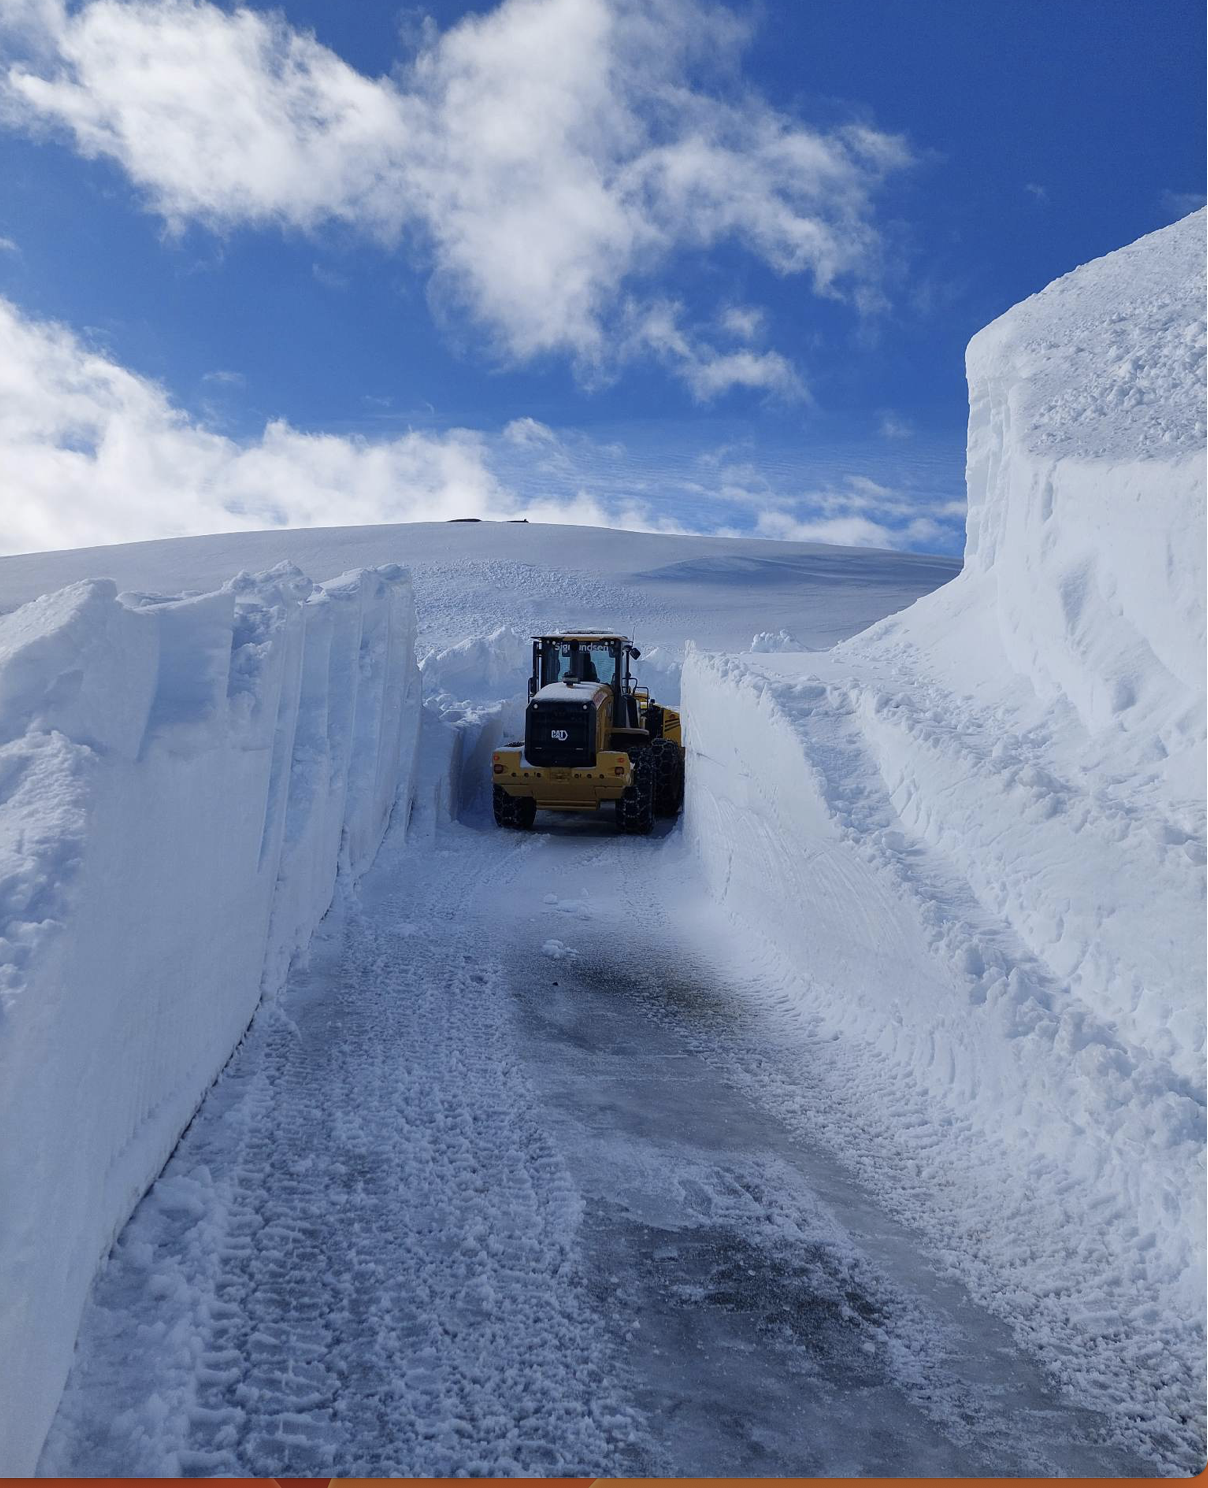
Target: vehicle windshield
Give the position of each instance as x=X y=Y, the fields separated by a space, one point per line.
x=579 y=661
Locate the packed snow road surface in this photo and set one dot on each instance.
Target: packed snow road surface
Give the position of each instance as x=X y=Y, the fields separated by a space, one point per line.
x=506 y=1184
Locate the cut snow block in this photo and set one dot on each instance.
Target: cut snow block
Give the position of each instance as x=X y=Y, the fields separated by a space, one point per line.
x=80 y=664
x=180 y=780
x=1086 y=487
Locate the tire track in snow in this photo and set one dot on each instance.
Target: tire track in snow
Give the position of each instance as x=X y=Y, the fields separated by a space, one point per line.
x=725 y=1234
x=901 y=1094
x=386 y=1281
x=369 y=1254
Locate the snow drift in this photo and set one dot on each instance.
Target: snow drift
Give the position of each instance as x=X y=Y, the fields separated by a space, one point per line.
x=971 y=839
x=225 y=752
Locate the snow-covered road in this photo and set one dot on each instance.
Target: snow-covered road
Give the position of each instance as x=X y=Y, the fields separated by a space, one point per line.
x=856 y=1127
x=506 y=1183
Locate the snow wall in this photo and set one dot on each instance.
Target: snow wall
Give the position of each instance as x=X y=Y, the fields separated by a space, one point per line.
x=1053 y=738
x=181 y=780
x=970 y=840
x=1086 y=492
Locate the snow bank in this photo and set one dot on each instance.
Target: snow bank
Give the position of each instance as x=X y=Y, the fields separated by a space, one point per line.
x=1059 y=1155
x=480 y=668
x=180 y=779
x=1052 y=734
x=970 y=841
x=1086 y=487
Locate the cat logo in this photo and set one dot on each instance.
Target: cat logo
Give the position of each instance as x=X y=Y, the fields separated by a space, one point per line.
x=559 y=734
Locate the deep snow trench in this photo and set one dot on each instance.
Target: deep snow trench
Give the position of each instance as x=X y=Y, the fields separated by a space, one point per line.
x=506 y=1183
x=855 y=1126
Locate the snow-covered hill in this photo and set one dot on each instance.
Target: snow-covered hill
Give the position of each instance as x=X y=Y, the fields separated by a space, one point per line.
x=471 y=578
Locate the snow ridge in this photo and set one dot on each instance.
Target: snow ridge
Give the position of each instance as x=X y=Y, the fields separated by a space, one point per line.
x=223 y=752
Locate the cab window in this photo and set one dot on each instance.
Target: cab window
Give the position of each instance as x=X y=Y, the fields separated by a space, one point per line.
x=551 y=662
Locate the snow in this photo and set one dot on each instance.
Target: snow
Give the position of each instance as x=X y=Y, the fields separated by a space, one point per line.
x=779 y=640
x=905 y=1025
x=456 y=1207
x=558 y=950
x=365 y=1260
x=184 y=765
x=1086 y=511
x=471 y=579
x=180 y=779
x=968 y=844
x=479 y=668
x=568 y=692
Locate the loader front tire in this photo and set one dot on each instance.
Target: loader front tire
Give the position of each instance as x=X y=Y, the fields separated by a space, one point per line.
x=635 y=809
x=668 y=761
x=517 y=812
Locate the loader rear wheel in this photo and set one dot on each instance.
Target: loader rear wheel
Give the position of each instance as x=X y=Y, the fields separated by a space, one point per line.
x=668 y=761
x=635 y=809
x=518 y=812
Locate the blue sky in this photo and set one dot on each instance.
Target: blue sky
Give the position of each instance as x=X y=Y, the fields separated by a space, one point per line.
x=660 y=264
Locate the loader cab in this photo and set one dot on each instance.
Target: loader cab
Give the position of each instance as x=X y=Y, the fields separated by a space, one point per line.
x=581 y=698
x=586 y=656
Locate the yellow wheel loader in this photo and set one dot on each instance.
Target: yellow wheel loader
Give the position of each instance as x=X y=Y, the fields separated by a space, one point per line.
x=591 y=735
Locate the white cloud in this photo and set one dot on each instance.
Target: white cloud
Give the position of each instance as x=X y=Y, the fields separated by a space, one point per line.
x=225 y=118
x=328 y=278
x=1040 y=193
x=8 y=245
x=866 y=489
x=1181 y=203
x=711 y=374
x=93 y=453
x=894 y=427
x=551 y=155
x=224 y=378
x=585 y=510
x=529 y=431
x=858 y=512
x=708 y=371
x=746 y=322
x=738 y=489
x=850 y=531
x=847 y=532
